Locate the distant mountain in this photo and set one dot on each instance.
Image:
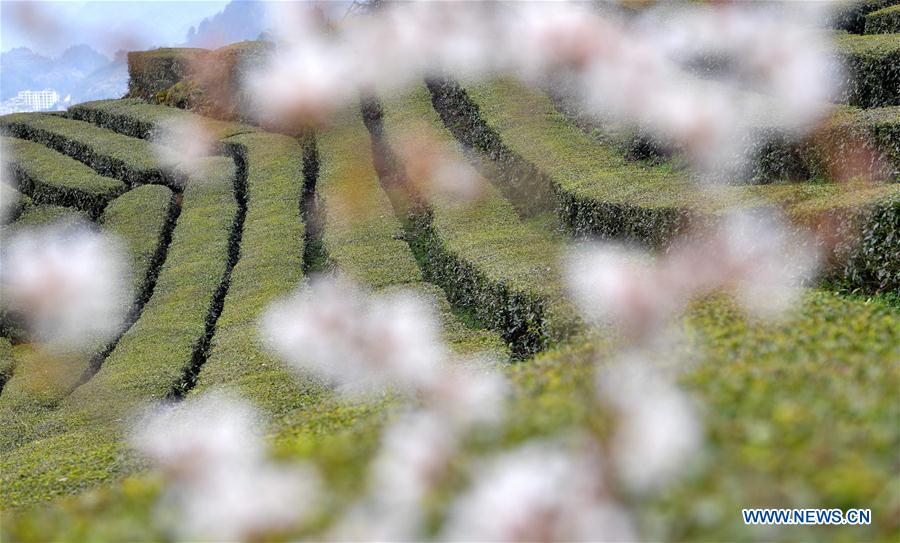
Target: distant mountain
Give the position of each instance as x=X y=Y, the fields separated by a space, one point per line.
x=83 y=59
x=79 y=71
x=238 y=21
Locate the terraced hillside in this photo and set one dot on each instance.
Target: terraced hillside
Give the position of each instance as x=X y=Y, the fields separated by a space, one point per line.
x=801 y=412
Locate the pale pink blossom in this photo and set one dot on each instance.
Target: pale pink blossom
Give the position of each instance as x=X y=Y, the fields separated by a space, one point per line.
x=756 y=255
x=657 y=432
x=414 y=454
x=220 y=484
x=69 y=281
x=362 y=343
x=182 y=145
x=641 y=70
x=539 y=492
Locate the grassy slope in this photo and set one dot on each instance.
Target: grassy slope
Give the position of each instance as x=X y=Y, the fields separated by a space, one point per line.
x=803 y=423
x=786 y=427
x=53 y=178
x=81 y=443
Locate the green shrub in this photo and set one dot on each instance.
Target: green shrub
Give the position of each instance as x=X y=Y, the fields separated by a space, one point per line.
x=884 y=21
x=138 y=119
x=7 y=361
x=150 y=72
x=873 y=69
x=208 y=82
x=14 y=201
x=49 y=177
x=871 y=134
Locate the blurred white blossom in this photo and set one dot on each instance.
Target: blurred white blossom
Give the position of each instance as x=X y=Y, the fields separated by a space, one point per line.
x=468 y=394
x=221 y=485
x=755 y=255
x=414 y=455
x=657 y=431
x=539 y=492
x=337 y=331
x=435 y=168
x=70 y=282
x=701 y=77
x=182 y=144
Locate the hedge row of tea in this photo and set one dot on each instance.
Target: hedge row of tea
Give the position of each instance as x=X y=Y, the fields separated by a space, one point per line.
x=365 y=241
x=209 y=82
x=873 y=66
x=594 y=190
x=884 y=21
x=113 y=155
x=80 y=442
x=41 y=380
x=269 y=266
x=492 y=262
x=52 y=178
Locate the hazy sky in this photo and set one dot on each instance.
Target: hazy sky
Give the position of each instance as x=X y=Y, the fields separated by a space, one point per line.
x=49 y=27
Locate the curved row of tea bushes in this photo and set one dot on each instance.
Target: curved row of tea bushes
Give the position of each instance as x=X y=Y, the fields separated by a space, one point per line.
x=81 y=443
x=873 y=69
x=270 y=266
x=851 y=15
x=490 y=261
x=52 y=178
x=363 y=238
x=884 y=21
x=271 y=257
x=598 y=192
x=141 y=220
x=7 y=362
x=872 y=136
x=138 y=119
x=127 y=159
x=13 y=203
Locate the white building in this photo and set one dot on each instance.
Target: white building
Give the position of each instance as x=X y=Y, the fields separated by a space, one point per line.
x=38 y=100
x=29 y=100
